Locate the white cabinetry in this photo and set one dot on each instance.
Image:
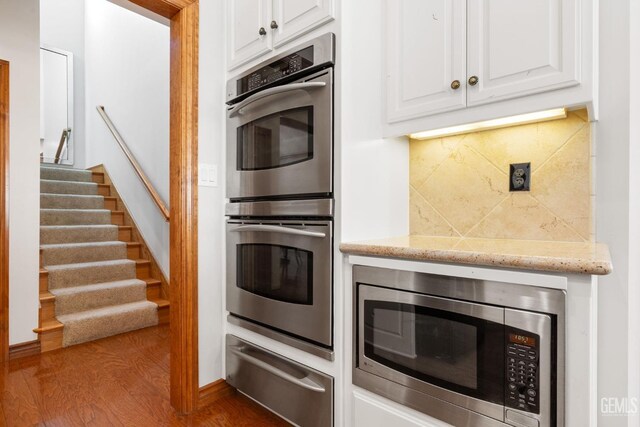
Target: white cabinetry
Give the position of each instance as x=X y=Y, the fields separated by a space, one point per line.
x=521 y=47
x=426 y=51
x=498 y=50
x=256 y=27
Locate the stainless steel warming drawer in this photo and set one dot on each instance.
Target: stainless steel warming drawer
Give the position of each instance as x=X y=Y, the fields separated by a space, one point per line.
x=296 y=392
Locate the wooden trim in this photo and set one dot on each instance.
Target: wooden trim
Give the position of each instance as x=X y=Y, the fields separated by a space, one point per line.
x=25 y=349
x=166 y=8
x=214 y=391
x=134 y=163
x=183 y=233
x=183 y=197
x=4 y=210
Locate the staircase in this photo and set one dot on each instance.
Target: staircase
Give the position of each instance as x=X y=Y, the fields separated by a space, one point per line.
x=93 y=282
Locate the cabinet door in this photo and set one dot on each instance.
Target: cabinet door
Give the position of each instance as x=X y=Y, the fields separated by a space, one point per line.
x=245 y=19
x=425 y=54
x=297 y=17
x=521 y=47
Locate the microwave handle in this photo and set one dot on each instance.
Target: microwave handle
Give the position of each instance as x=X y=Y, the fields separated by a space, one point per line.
x=277 y=229
x=238 y=108
x=304 y=382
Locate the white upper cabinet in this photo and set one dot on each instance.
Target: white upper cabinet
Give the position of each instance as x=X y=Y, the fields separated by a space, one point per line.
x=292 y=18
x=510 y=57
x=256 y=27
x=520 y=47
x=249 y=36
x=426 y=57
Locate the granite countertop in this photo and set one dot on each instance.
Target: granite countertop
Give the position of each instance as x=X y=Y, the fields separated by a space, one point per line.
x=564 y=257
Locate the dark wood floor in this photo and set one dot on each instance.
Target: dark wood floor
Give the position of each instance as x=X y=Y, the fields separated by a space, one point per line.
x=117 y=381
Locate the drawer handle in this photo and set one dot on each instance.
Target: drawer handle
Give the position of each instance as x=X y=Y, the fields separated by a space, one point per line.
x=305 y=382
x=277 y=229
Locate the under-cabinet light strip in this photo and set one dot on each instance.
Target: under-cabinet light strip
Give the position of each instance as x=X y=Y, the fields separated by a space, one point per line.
x=540 y=116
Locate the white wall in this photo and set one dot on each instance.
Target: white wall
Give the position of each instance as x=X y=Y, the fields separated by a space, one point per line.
x=20 y=45
x=62 y=27
x=211 y=251
x=617 y=210
x=127 y=71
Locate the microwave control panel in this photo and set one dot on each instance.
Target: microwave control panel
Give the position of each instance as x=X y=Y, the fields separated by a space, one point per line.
x=523 y=370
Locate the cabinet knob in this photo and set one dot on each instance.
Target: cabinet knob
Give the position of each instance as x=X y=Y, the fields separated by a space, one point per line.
x=274 y=25
x=455 y=84
x=262 y=31
x=473 y=80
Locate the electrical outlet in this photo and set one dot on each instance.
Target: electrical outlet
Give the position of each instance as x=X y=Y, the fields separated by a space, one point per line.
x=519 y=176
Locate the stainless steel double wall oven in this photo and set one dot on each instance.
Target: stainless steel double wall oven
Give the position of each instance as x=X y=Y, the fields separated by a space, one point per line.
x=280 y=186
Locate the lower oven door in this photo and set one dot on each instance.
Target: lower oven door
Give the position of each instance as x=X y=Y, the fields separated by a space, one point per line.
x=448 y=349
x=279 y=274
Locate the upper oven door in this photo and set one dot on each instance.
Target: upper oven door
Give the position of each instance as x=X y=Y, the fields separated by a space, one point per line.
x=452 y=350
x=280 y=140
x=279 y=274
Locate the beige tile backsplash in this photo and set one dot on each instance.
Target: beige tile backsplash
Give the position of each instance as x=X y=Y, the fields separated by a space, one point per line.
x=459 y=185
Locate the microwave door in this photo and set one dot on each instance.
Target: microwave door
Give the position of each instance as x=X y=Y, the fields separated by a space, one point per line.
x=449 y=349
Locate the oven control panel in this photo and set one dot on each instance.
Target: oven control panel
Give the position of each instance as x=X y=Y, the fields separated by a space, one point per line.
x=522 y=389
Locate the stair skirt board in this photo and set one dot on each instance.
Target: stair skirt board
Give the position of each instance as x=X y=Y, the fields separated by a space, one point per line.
x=103 y=322
x=93 y=289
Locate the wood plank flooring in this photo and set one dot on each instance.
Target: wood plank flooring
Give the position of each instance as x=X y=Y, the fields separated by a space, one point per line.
x=118 y=381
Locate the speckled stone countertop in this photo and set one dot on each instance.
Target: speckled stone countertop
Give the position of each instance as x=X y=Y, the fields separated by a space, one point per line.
x=564 y=257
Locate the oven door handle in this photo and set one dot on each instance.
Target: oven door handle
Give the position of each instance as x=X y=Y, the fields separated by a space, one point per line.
x=239 y=108
x=304 y=382
x=277 y=229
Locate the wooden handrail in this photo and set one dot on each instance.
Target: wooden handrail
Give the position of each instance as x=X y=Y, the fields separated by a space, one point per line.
x=136 y=166
x=63 y=138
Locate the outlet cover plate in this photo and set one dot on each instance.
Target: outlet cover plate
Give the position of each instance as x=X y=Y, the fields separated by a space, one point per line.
x=519 y=176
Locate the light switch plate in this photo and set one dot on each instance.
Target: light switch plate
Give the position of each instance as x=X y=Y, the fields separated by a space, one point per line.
x=207 y=175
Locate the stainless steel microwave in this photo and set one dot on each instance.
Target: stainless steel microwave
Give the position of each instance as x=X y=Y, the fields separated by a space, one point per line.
x=466 y=351
x=280 y=126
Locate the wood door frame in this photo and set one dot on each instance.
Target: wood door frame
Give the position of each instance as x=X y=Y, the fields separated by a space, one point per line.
x=183 y=196
x=4 y=210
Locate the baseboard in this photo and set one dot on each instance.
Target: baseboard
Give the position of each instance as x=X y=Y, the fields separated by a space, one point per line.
x=213 y=391
x=25 y=349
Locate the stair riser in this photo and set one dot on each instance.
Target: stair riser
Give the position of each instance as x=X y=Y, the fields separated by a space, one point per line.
x=69 y=277
x=61 y=174
x=89 y=300
x=68 y=187
x=110 y=204
x=153 y=292
x=75 y=255
x=71 y=202
x=143 y=270
x=97 y=177
x=47 y=310
x=133 y=252
x=124 y=234
x=78 y=235
x=104 y=190
x=164 y=315
x=96 y=328
x=117 y=218
x=74 y=217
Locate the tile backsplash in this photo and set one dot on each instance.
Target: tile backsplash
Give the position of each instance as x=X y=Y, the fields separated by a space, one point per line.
x=459 y=185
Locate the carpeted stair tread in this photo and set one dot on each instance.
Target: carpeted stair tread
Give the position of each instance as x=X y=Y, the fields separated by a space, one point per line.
x=70 y=201
x=106 y=321
x=68 y=187
x=65 y=174
x=75 y=216
x=74 y=253
x=53 y=234
x=87 y=273
x=89 y=297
